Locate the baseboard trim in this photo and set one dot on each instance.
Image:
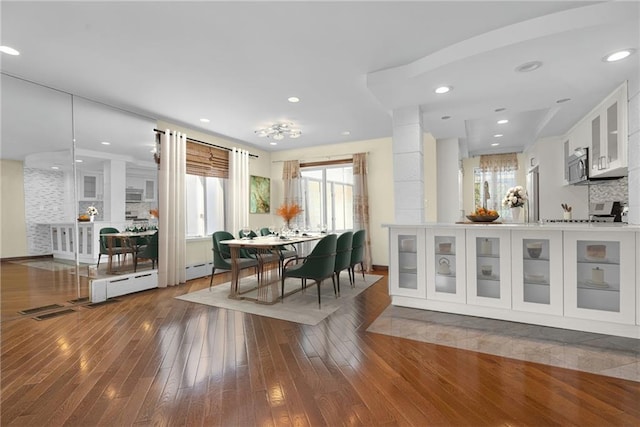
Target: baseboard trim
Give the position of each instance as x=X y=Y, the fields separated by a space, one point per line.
x=25 y=258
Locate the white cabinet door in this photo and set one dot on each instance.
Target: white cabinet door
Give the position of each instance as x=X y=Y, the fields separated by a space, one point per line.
x=608 y=156
x=599 y=276
x=489 y=266
x=537 y=271
x=90 y=186
x=446 y=265
x=407 y=266
x=149 y=190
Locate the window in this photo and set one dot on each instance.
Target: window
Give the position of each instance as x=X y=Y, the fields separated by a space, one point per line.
x=489 y=188
x=205 y=205
x=328 y=196
x=206 y=182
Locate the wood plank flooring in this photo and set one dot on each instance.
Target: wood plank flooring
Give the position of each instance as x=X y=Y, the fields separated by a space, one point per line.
x=150 y=359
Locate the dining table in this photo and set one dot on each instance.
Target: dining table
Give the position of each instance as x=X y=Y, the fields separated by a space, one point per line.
x=267 y=288
x=129 y=239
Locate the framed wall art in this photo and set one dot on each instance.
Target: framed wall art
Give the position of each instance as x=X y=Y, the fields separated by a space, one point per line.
x=260 y=196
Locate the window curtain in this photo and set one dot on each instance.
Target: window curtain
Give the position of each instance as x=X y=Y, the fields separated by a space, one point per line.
x=293 y=187
x=361 y=204
x=239 y=194
x=172 y=224
x=497 y=175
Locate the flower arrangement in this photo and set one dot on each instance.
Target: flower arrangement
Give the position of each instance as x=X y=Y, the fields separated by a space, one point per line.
x=515 y=197
x=288 y=211
x=154 y=213
x=92 y=211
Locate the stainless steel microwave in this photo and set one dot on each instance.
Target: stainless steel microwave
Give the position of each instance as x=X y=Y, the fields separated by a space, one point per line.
x=577 y=167
x=134 y=195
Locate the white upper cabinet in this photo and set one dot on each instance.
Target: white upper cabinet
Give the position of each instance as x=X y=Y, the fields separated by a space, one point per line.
x=608 y=136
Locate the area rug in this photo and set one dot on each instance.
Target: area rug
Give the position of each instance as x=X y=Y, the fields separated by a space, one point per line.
x=299 y=307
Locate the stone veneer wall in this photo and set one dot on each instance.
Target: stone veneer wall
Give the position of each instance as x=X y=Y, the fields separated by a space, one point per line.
x=43 y=199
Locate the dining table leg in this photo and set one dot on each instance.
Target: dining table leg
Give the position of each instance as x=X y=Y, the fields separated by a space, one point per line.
x=235 y=272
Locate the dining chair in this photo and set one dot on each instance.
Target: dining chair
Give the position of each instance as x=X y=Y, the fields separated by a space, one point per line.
x=317 y=266
x=284 y=252
x=263 y=257
x=117 y=246
x=343 y=255
x=149 y=251
x=357 y=255
x=222 y=256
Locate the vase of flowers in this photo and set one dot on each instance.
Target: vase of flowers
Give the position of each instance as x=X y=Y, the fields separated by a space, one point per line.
x=515 y=199
x=288 y=211
x=92 y=212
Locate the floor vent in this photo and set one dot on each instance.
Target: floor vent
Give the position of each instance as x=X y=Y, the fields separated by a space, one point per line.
x=54 y=314
x=100 y=304
x=39 y=309
x=79 y=300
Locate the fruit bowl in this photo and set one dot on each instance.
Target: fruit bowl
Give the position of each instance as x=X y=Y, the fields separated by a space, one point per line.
x=482 y=218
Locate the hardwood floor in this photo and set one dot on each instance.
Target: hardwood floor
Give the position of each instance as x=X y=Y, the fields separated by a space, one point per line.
x=152 y=359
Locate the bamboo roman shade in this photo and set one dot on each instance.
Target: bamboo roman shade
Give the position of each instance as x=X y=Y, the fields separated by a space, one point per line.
x=203 y=160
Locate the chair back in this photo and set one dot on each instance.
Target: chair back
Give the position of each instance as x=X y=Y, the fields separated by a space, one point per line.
x=103 y=240
x=357 y=253
x=221 y=253
x=343 y=251
x=321 y=261
x=265 y=231
x=151 y=250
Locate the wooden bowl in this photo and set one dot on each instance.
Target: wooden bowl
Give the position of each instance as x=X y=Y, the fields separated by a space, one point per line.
x=482 y=218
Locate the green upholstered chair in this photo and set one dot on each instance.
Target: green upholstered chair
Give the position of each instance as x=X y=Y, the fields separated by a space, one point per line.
x=284 y=252
x=357 y=255
x=222 y=256
x=118 y=246
x=317 y=266
x=150 y=251
x=263 y=257
x=343 y=255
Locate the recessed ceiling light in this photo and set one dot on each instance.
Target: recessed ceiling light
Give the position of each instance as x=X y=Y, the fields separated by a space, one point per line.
x=345 y=133
x=528 y=66
x=445 y=117
x=497 y=110
x=503 y=121
x=563 y=100
x=293 y=99
x=495 y=144
x=618 y=55
x=498 y=135
x=79 y=160
x=9 y=50
x=205 y=120
x=105 y=143
x=273 y=143
x=55 y=167
x=443 y=89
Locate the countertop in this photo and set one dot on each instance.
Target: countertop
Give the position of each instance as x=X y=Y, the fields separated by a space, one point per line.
x=594 y=226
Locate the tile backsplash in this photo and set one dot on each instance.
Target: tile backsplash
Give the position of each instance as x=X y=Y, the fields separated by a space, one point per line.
x=614 y=190
x=43 y=200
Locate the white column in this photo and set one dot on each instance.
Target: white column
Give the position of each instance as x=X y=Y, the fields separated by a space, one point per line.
x=634 y=152
x=114 y=195
x=408 y=166
x=448 y=180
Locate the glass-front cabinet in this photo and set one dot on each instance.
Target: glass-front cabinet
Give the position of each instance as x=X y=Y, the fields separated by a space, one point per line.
x=537 y=271
x=446 y=265
x=407 y=267
x=599 y=276
x=489 y=267
x=609 y=135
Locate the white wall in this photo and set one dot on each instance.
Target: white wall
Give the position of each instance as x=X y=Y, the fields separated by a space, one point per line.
x=13 y=230
x=447 y=180
x=381 y=200
x=548 y=154
x=431 y=191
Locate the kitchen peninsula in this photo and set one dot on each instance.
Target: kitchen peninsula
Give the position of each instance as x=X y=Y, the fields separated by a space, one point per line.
x=573 y=276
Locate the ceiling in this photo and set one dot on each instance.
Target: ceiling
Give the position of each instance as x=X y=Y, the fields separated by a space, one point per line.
x=350 y=63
